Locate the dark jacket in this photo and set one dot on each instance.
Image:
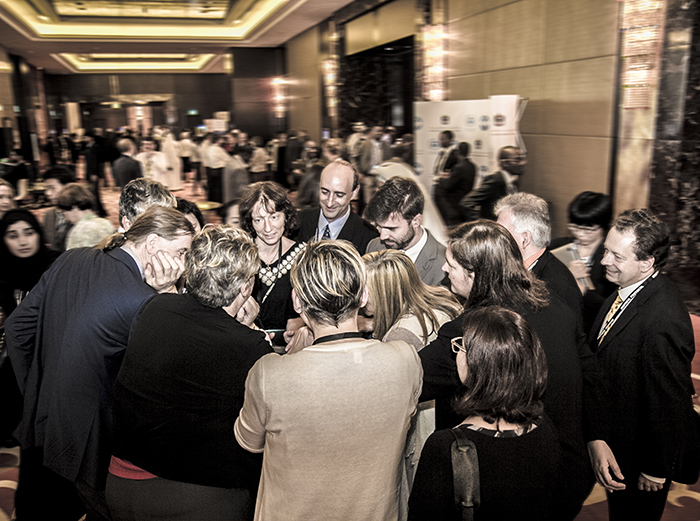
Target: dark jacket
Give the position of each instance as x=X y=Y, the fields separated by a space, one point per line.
x=356 y=230
x=66 y=341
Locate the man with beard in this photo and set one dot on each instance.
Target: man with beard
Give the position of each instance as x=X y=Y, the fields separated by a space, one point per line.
x=397 y=211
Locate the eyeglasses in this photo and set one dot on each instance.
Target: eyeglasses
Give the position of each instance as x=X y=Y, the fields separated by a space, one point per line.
x=575 y=228
x=457 y=344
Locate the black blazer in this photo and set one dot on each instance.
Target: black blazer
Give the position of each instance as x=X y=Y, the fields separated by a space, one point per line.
x=646 y=362
x=449 y=191
x=594 y=298
x=559 y=280
x=126 y=169
x=356 y=230
x=485 y=197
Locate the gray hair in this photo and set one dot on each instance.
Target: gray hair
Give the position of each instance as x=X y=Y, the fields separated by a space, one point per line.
x=529 y=214
x=220 y=260
x=141 y=193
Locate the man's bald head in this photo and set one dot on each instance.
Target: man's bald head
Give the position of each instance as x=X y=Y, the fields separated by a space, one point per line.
x=339 y=180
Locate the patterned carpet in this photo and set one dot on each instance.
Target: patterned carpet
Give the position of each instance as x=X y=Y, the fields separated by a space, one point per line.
x=683 y=503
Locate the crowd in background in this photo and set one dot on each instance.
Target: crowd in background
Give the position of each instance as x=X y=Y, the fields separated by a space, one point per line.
x=310 y=357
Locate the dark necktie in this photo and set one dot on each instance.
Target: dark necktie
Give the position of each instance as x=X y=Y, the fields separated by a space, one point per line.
x=326 y=233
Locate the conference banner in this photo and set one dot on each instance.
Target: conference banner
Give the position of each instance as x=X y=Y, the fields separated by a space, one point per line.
x=487 y=125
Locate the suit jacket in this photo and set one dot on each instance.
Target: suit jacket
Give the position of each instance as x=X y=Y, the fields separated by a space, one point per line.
x=55 y=235
x=364 y=156
x=491 y=190
x=66 y=341
x=646 y=361
x=594 y=298
x=126 y=169
x=559 y=280
x=356 y=230
x=450 y=191
x=429 y=261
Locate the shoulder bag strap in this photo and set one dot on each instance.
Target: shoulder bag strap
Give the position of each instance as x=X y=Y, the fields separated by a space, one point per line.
x=465 y=473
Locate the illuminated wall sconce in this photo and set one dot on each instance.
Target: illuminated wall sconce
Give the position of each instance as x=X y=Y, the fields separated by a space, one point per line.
x=642 y=23
x=279 y=97
x=434 y=62
x=330 y=84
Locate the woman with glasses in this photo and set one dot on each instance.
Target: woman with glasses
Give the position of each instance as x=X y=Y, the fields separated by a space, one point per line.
x=503 y=368
x=589 y=219
x=485 y=266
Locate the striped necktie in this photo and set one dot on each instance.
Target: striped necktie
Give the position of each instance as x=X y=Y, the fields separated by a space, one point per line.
x=611 y=313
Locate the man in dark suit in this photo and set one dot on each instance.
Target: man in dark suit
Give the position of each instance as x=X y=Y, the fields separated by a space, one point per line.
x=643 y=338
x=66 y=341
x=448 y=155
x=339 y=183
x=397 y=210
x=453 y=185
x=526 y=217
x=479 y=203
x=125 y=167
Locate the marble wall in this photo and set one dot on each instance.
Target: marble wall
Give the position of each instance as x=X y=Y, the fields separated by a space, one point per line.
x=675 y=183
x=304 y=74
x=562 y=56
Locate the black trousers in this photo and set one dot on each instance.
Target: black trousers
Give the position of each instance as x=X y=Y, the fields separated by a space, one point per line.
x=159 y=498
x=42 y=494
x=633 y=504
x=214 y=184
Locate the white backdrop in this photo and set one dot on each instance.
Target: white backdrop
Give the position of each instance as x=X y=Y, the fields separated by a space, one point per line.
x=487 y=125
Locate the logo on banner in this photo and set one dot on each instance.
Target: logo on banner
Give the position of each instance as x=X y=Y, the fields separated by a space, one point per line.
x=484 y=123
x=417 y=123
x=418 y=167
x=478 y=144
x=433 y=144
x=499 y=120
x=471 y=121
x=445 y=120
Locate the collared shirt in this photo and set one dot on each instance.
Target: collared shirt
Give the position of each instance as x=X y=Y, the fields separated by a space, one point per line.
x=217 y=156
x=133 y=256
x=532 y=259
x=415 y=250
x=511 y=187
x=442 y=159
x=334 y=227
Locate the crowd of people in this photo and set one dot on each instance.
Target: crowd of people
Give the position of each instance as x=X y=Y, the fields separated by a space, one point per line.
x=344 y=345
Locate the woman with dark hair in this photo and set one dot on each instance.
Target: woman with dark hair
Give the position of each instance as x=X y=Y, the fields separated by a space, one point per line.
x=503 y=368
x=192 y=212
x=485 y=266
x=590 y=214
x=268 y=215
x=24 y=258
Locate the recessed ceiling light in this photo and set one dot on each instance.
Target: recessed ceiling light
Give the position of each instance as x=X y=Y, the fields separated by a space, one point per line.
x=44 y=18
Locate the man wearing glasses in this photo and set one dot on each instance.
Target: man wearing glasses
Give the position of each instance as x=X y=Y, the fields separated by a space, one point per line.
x=479 y=203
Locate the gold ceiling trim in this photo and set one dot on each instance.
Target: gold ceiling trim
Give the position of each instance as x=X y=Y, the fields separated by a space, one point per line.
x=84 y=63
x=44 y=28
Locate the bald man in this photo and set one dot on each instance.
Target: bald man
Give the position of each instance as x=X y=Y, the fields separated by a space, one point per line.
x=335 y=218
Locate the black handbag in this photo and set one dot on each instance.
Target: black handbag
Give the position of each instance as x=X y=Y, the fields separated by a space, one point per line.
x=465 y=473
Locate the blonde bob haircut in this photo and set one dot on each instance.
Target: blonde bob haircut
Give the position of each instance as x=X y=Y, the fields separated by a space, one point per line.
x=329 y=279
x=396 y=290
x=220 y=260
